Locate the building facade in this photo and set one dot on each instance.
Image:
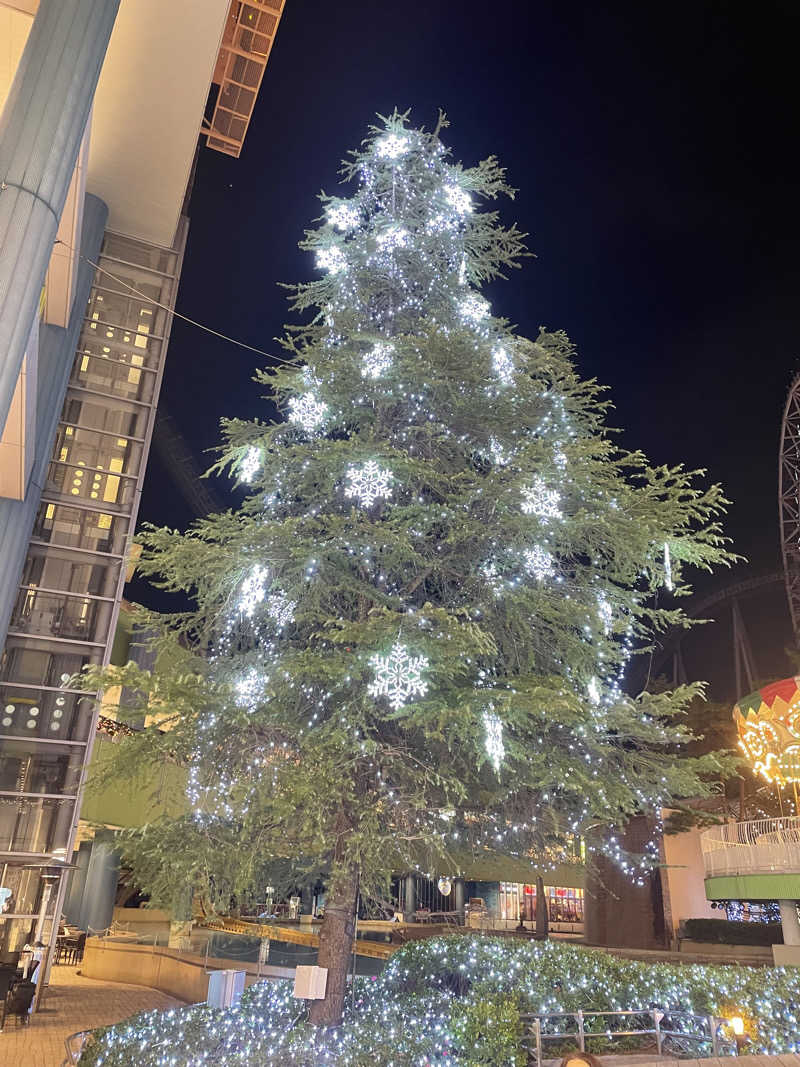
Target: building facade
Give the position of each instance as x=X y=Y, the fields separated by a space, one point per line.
x=102 y=103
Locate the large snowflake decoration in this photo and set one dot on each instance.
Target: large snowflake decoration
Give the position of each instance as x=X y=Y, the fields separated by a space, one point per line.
x=473 y=308
x=537 y=499
x=249 y=688
x=368 y=483
x=458 y=199
x=495 y=749
x=281 y=608
x=392 y=146
x=343 y=216
x=307 y=411
x=250 y=465
x=331 y=259
x=538 y=562
x=398 y=676
x=393 y=237
x=377 y=361
x=253 y=591
x=503 y=365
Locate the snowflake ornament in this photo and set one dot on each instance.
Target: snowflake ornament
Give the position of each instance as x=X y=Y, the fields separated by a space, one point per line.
x=253 y=591
x=281 y=609
x=391 y=147
x=398 y=676
x=307 y=411
x=343 y=216
x=473 y=308
x=538 y=562
x=503 y=365
x=368 y=483
x=249 y=688
x=377 y=361
x=459 y=200
x=537 y=499
x=331 y=259
x=250 y=465
x=495 y=749
x=394 y=237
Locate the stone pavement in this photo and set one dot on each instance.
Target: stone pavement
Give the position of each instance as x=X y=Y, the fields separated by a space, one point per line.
x=72 y=1003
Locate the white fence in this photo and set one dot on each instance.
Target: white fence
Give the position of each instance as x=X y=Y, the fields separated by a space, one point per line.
x=760 y=846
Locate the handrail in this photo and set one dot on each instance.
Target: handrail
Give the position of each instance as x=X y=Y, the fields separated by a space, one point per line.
x=758 y=845
x=708 y=1030
x=75 y=1044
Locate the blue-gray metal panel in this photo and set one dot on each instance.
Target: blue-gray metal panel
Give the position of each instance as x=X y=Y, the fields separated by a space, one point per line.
x=56 y=356
x=41 y=128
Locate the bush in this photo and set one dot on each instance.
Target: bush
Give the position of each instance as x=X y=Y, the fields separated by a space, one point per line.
x=454 y=1002
x=487 y=1030
x=726 y=932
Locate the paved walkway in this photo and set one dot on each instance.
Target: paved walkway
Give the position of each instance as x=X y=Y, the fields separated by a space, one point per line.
x=72 y=1003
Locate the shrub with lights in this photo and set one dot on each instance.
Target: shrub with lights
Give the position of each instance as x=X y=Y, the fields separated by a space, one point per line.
x=456 y=1000
x=412 y=634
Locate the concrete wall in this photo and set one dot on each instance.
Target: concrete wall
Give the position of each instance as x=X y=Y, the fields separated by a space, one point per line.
x=683 y=880
x=180 y=974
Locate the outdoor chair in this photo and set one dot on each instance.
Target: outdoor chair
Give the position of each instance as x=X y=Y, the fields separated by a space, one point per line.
x=8 y=975
x=74 y=949
x=19 y=1000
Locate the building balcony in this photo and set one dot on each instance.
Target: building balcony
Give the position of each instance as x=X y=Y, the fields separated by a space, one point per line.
x=757 y=860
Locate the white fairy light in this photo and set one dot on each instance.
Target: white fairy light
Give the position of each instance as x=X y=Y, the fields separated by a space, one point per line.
x=331 y=259
x=593 y=690
x=537 y=499
x=307 y=411
x=398 y=676
x=538 y=562
x=250 y=465
x=394 y=237
x=368 y=483
x=459 y=200
x=668 y=567
x=493 y=577
x=495 y=748
x=473 y=308
x=377 y=361
x=253 y=590
x=503 y=365
x=343 y=216
x=392 y=146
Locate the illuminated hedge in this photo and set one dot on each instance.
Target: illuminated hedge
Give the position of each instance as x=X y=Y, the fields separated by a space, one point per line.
x=435 y=990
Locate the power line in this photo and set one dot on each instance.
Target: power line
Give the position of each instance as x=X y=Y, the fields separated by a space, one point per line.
x=177 y=314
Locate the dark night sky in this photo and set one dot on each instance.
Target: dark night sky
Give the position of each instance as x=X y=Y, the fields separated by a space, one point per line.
x=652 y=146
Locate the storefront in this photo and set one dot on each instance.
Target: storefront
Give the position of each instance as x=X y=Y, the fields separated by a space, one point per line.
x=518 y=901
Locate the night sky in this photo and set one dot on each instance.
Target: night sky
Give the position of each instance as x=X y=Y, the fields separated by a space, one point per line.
x=653 y=149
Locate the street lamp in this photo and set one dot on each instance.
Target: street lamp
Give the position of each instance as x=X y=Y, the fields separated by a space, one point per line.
x=737 y=1025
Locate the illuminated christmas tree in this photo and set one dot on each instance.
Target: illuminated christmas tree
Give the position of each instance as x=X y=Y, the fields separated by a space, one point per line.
x=413 y=634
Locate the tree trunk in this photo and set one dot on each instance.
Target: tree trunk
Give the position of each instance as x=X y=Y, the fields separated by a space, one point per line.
x=336 y=947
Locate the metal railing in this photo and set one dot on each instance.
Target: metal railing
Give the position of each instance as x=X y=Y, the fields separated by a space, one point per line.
x=762 y=845
x=701 y=1030
x=75 y=1044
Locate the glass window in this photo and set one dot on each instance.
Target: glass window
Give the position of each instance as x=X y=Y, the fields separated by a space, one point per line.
x=31 y=824
x=42 y=713
x=29 y=767
x=97 y=531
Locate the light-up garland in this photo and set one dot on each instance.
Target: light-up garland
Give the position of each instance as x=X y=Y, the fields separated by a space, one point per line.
x=408 y=1014
x=250 y=465
x=495 y=747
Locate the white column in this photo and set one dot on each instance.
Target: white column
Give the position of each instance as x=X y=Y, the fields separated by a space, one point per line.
x=789 y=922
